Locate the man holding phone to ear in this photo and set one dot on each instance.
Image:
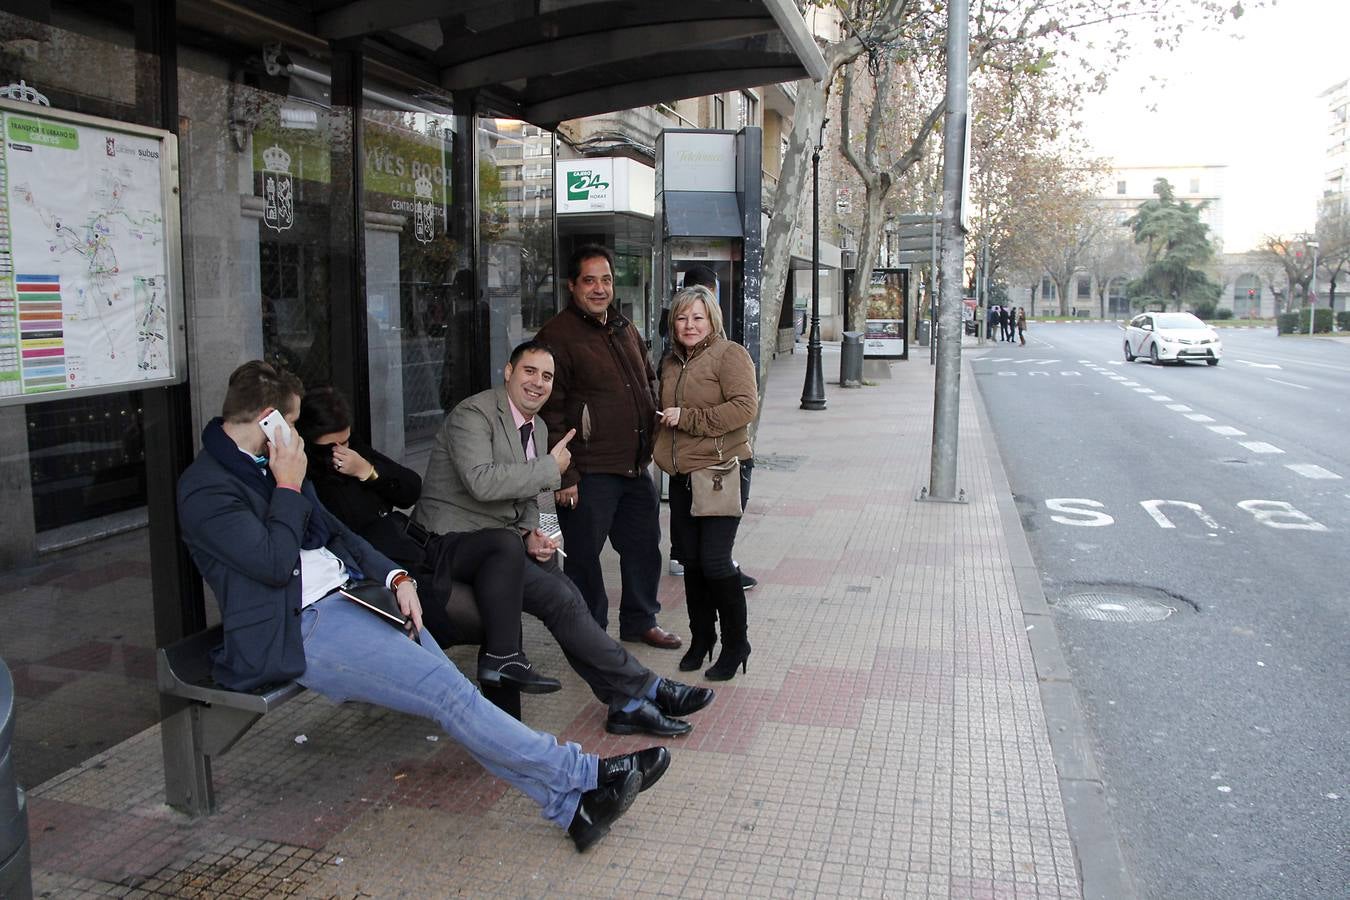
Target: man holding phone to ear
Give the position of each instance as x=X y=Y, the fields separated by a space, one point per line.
x=487 y=469
x=277 y=561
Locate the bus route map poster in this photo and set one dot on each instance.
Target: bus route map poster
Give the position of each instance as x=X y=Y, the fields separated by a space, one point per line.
x=87 y=273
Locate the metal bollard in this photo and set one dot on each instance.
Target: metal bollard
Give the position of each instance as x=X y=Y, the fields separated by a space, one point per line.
x=16 y=877
x=851 y=360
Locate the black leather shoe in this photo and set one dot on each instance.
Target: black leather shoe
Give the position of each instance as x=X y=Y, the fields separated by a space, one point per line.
x=647 y=719
x=514 y=671
x=652 y=763
x=676 y=699
x=601 y=807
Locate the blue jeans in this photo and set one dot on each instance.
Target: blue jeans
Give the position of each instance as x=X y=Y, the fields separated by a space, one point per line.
x=351 y=655
x=628 y=512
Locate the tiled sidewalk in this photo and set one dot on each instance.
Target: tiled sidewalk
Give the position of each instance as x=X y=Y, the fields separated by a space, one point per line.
x=888 y=739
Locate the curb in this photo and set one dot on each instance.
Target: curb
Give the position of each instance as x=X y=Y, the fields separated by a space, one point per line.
x=1092 y=829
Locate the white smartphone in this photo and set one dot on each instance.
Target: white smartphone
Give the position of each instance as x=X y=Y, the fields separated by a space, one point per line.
x=274 y=426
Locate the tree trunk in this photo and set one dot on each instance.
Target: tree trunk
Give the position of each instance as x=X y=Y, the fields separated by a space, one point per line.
x=792 y=195
x=861 y=289
x=1063 y=288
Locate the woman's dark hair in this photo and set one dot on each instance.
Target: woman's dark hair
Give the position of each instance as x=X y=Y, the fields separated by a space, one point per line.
x=324 y=410
x=700 y=274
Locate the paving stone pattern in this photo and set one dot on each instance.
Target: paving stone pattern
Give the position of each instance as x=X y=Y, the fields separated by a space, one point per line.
x=888 y=739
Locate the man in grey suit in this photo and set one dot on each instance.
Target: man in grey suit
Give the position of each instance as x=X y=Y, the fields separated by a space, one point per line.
x=486 y=471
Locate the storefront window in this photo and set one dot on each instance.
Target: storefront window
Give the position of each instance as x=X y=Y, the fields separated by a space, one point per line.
x=515 y=224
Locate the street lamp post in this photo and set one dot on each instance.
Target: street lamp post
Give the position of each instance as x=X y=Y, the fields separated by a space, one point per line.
x=1312 y=287
x=813 y=389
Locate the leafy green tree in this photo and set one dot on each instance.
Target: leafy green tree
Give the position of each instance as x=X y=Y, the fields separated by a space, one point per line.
x=1176 y=246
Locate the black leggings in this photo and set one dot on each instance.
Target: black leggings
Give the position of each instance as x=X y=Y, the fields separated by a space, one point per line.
x=703 y=542
x=493 y=561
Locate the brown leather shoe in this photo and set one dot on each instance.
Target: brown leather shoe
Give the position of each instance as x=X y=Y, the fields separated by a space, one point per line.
x=656 y=636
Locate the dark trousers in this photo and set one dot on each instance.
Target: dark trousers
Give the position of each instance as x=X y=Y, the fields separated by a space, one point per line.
x=703 y=542
x=613 y=674
x=627 y=512
x=494 y=562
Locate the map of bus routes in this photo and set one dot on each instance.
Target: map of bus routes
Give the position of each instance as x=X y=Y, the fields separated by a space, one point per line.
x=84 y=299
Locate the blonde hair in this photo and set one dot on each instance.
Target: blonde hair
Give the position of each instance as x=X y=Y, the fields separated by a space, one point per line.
x=687 y=297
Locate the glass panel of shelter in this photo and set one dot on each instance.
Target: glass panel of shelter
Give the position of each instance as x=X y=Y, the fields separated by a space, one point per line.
x=516 y=241
x=69 y=464
x=419 y=287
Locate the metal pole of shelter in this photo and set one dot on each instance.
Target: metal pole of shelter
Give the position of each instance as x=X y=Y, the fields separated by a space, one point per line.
x=947 y=381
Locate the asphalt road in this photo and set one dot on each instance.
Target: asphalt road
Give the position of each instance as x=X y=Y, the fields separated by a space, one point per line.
x=1223 y=730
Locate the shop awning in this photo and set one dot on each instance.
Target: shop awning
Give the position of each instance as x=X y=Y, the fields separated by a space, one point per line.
x=548 y=60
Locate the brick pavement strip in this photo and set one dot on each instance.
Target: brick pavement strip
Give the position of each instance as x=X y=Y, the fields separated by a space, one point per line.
x=889 y=739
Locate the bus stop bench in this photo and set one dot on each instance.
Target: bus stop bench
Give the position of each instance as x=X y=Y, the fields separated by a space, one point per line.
x=203 y=720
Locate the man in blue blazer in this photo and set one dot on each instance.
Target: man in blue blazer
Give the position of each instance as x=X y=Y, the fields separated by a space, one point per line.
x=275 y=559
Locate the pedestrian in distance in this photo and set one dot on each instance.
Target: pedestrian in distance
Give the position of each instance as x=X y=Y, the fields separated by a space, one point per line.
x=486 y=471
x=1022 y=325
x=1005 y=322
x=278 y=563
x=366 y=489
x=708 y=400
x=604 y=392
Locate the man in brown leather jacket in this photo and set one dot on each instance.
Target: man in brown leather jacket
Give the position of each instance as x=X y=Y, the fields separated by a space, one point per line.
x=605 y=389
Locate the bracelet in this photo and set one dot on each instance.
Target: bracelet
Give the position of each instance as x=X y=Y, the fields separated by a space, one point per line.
x=373 y=476
x=400 y=578
x=289 y=487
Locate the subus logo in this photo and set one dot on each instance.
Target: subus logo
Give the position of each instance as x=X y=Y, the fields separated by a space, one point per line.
x=580 y=185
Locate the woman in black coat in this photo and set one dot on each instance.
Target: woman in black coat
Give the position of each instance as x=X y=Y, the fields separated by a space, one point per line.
x=366 y=490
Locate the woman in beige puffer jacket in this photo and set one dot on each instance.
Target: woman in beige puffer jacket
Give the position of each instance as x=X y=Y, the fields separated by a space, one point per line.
x=707 y=398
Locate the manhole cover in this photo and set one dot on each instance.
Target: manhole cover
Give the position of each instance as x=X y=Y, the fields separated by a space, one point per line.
x=782 y=462
x=1114 y=607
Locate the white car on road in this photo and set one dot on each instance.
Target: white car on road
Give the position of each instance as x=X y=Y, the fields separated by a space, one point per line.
x=1171 y=337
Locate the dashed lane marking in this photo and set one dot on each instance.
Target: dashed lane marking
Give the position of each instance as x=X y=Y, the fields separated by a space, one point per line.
x=1308 y=470
x=1179 y=407
x=1143 y=390
x=1301 y=387
x=1199 y=417
x=1161 y=398
x=1226 y=430
x=1260 y=447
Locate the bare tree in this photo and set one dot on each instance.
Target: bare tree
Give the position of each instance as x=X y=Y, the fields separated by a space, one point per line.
x=1295 y=258
x=1333 y=237
x=1022 y=37
x=1112 y=255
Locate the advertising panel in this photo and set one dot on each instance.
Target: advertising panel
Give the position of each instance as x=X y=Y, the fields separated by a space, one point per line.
x=884 y=335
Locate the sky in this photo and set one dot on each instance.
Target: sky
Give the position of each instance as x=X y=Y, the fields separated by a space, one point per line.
x=1245 y=97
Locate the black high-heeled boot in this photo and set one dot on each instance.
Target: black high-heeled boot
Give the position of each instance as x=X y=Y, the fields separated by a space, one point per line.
x=702 y=619
x=729 y=596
